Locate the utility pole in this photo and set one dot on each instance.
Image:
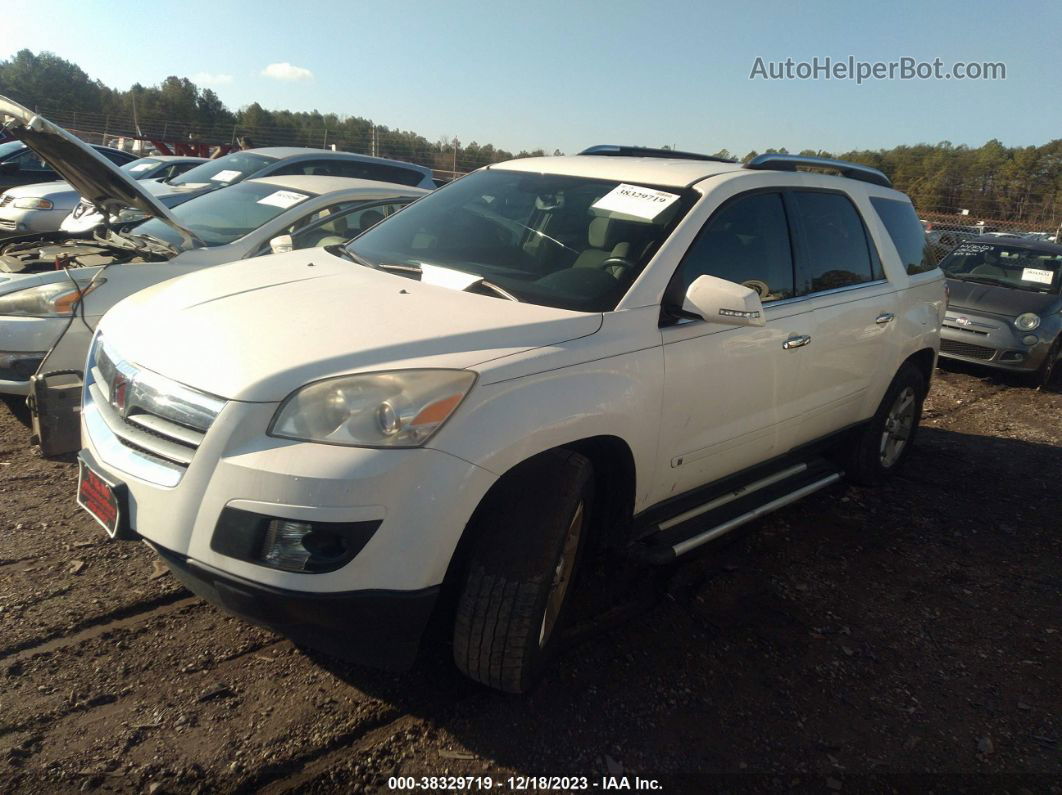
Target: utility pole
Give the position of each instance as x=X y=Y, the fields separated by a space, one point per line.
x=456 y=145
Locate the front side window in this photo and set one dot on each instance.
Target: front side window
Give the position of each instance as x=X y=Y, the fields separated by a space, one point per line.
x=563 y=241
x=836 y=252
x=746 y=242
x=334 y=225
x=223 y=216
x=30 y=161
x=907 y=234
x=225 y=170
x=1005 y=266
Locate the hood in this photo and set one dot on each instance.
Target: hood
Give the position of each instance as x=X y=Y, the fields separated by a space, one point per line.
x=38 y=190
x=1007 y=301
x=259 y=329
x=92 y=175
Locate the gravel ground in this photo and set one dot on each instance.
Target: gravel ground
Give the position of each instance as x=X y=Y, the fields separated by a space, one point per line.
x=865 y=639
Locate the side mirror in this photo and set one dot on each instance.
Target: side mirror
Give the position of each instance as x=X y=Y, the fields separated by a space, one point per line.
x=7 y=169
x=281 y=244
x=719 y=301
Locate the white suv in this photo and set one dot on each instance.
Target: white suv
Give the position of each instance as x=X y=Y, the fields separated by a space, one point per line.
x=627 y=348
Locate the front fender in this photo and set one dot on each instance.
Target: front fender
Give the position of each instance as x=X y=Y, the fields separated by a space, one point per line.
x=504 y=423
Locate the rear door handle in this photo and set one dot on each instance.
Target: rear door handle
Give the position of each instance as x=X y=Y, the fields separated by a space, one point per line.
x=884 y=318
x=796 y=341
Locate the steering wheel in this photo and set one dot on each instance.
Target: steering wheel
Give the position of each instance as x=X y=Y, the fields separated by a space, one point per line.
x=759 y=287
x=616 y=267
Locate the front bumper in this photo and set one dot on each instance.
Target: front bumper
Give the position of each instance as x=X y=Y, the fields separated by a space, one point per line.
x=25 y=340
x=378 y=628
x=16 y=222
x=423 y=498
x=990 y=341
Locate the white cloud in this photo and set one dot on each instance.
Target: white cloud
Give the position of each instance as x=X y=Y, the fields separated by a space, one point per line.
x=285 y=71
x=207 y=79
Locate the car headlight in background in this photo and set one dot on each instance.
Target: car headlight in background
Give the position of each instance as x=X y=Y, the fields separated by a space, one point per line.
x=400 y=408
x=1027 y=321
x=33 y=204
x=57 y=299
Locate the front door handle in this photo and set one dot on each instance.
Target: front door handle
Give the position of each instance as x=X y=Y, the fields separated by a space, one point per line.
x=796 y=341
x=884 y=318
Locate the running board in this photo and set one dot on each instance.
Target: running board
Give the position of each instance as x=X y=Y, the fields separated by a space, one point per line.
x=693 y=528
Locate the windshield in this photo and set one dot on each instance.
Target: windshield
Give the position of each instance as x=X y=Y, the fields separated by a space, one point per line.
x=569 y=242
x=9 y=147
x=1006 y=266
x=223 y=216
x=225 y=170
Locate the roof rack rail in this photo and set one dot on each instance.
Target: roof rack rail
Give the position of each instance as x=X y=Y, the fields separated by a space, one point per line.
x=858 y=171
x=614 y=150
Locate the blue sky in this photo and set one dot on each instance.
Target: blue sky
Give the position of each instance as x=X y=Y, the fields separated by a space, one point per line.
x=570 y=74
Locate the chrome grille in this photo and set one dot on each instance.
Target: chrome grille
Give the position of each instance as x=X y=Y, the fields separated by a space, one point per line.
x=8 y=225
x=152 y=415
x=966 y=349
x=6 y=200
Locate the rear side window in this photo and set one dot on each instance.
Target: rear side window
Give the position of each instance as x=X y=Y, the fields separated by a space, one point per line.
x=746 y=242
x=381 y=172
x=906 y=232
x=836 y=252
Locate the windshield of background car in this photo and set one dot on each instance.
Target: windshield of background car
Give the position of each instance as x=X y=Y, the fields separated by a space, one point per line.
x=225 y=170
x=568 y=242
x=1005 y=266
x=222 y=216
x=9 y=147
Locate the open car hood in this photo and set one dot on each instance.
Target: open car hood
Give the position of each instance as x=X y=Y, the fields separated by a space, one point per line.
x=91 y=174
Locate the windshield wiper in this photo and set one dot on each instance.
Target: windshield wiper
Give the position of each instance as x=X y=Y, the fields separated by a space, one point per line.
x=979 y=279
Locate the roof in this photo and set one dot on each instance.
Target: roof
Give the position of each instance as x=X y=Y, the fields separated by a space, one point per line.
x=321 y=185
x=677 y=173
x=281 y=152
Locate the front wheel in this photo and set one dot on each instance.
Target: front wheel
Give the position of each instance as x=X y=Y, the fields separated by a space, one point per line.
x=531 y=531
x=1049 y=369
x=882 y=446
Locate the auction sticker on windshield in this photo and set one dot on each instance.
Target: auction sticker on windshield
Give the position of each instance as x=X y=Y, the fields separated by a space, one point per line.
x=636 y=201
x=283 y=199
x=225 y=176
x=1037 y=275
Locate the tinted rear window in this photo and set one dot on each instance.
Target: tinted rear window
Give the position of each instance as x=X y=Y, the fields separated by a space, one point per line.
x=906 y=232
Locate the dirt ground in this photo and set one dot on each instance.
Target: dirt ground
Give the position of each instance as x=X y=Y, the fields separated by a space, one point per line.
x=906 y=637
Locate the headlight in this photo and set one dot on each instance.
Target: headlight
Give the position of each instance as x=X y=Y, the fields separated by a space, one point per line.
x=401 y=408
x=1027 y=321
x=33 y=204
x=57 y=299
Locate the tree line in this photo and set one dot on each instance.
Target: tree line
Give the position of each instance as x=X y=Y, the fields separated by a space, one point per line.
x=1018 y=184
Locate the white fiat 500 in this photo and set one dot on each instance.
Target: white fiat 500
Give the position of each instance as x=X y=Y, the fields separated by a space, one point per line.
x=629 y=348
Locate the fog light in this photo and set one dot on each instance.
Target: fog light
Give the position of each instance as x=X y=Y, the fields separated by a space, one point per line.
x=1012 y=356
x=289 y=544
x=282 y=547
x=1030 y=339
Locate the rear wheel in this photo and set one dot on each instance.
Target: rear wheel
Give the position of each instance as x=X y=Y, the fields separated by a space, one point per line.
x=531 y=531
x=884 y=443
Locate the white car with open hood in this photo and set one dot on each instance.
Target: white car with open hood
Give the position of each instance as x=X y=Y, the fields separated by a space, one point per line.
x=630 y=348
x=52 y=294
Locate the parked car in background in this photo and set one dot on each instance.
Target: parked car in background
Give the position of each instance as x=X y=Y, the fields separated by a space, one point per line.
x=45 y=288
x=1005 y=305
x=276 y=161
x=943 y=241
x=631 y=348
x=42 y=207
x=20 y=165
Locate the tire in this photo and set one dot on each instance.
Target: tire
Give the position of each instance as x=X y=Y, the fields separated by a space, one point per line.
x=1048 y=371
x=530 y=534
x=874 y=456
